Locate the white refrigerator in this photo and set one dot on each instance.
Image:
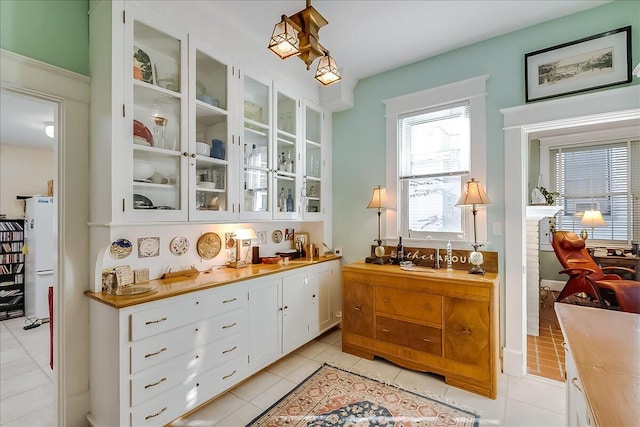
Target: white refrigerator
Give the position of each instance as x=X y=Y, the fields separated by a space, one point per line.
x=40 y=258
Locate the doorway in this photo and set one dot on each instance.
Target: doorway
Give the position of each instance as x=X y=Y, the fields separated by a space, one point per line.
x=28 y=166
x=615 y=105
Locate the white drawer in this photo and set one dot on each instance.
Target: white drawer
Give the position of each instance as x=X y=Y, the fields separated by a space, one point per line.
x=228 y=298
x=214 y=382
x=163 y=347
x=158 y=379
x=161 y=319
x=165 y=407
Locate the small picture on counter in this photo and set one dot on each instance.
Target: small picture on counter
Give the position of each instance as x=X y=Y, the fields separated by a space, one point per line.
x=301 y=239
x=148 y=247
x=141 y=275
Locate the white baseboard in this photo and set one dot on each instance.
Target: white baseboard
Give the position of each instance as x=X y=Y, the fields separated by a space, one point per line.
x=554 y=285
x=513 y=362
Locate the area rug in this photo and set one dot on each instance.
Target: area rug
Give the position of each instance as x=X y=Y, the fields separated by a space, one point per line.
x=334 y=397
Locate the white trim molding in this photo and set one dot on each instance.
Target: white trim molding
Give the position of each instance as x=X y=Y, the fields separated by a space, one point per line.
x=615 y=105
x=70 y=91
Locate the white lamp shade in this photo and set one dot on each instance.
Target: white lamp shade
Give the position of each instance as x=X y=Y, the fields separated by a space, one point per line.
x=474 y=195
x=379 y=198
x=592 y=218
x=245 y=234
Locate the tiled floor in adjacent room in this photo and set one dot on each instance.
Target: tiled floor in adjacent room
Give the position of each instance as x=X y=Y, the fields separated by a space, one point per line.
x=528 y=401
x=27 y=391
x=545 y=354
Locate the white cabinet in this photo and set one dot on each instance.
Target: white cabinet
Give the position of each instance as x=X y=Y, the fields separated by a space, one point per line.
x=286 y=311
x=257 y=164
x=153 y=362
x=314 y=188
x=213 y=162
x=578 y=412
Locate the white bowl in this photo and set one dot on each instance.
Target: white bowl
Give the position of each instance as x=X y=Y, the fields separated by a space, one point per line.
x=203 y=149
x=142 y=170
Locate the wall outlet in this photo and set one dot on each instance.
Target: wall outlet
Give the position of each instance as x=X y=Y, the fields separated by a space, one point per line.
x=338 y=251
x=246 y=243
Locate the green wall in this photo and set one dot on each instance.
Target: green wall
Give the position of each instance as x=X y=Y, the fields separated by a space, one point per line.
x=51 y=31
x=359 y=133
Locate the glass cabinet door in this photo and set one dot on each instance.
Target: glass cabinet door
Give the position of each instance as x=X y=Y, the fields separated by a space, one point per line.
x=256 y=148
x=210 y=138
x=286 y=157
x=156 y=132
x=312 y=190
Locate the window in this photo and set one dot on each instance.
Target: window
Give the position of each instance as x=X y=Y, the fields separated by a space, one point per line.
x=604 y=176
x=434 y=149
x=435 y=143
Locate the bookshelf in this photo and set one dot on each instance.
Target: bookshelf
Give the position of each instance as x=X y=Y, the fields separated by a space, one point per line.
x=11 y=268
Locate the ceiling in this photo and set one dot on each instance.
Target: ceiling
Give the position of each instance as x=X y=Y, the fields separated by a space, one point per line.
x=369 y=37
x=365 y=38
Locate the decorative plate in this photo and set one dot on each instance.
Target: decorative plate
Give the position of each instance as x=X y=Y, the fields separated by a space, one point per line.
x=120 y=249
x=209 y=245
x=179 y=245
x=148 y=247
x=142 y=69
x=139 y=129
x=276 y=236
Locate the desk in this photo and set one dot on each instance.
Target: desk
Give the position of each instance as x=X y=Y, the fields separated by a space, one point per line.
x=620 y=261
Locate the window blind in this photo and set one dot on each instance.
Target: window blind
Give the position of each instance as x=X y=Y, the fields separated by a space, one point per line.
x=604 y=176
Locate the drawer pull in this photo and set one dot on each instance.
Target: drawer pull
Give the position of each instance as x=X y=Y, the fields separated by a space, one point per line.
x=356 y=308
x=230 y=375
x=156 y=353
x=231 y=325
x=385 y=330
x=426 y=340
x=196 y=330
x=465 y=331
x=564 y=345
x=385 y=300
x=229 y=300
x=150 y=322
x=574 y=381
x=156 y=414
x=161 y=380
x=230 y=350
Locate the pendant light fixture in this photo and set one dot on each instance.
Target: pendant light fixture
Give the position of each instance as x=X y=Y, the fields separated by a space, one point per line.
x=298 y=35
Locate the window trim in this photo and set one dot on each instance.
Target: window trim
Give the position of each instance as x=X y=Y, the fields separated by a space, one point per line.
x=472 y=90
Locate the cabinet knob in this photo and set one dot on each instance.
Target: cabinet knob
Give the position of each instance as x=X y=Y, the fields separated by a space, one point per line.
x=356 y=308
x=385 y=300
x=426 y=340
x=184 y=153
x=314 y=295
x=465 y=331
x=385 y=330
x=193 y=155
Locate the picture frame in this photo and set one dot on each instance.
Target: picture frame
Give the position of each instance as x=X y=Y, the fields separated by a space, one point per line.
x=594 y=62
x=301 y=239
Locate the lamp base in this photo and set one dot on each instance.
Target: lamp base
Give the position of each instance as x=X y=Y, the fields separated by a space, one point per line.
x=374 y=260
x=584 y=234
x=476 y=269
x=237 y=264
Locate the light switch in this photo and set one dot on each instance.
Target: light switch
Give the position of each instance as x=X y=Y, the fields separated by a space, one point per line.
x=497 y=229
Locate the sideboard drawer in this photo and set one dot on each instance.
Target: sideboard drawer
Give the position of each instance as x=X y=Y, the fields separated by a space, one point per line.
x=161 y=319
x=419 y=306
x=412 y=335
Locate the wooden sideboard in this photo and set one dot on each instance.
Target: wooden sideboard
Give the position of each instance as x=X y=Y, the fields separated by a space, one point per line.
x=445 y=322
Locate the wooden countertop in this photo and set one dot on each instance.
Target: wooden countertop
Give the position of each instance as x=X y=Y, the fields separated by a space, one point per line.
x=489 y=279
x=207 y=279
x=605 y=345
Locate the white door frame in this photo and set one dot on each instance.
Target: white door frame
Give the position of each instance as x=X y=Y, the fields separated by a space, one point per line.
x=70 y=91
x=600 y=107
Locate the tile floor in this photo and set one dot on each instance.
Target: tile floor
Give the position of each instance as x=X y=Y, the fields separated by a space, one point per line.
x=27 y=389
x=529 y=401
x=545 y=354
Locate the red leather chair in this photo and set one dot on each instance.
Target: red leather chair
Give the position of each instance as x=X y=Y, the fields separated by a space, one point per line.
x=610 y=290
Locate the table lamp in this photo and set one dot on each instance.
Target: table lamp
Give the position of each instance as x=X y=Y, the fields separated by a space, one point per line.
x=240 y=235
x=378 y=201
x=591 y=218
x=474 y=195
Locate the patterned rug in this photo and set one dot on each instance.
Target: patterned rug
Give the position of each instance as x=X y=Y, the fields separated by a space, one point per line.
x=334 y=397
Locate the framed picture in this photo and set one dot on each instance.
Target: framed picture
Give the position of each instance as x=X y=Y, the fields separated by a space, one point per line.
x=591 y=63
